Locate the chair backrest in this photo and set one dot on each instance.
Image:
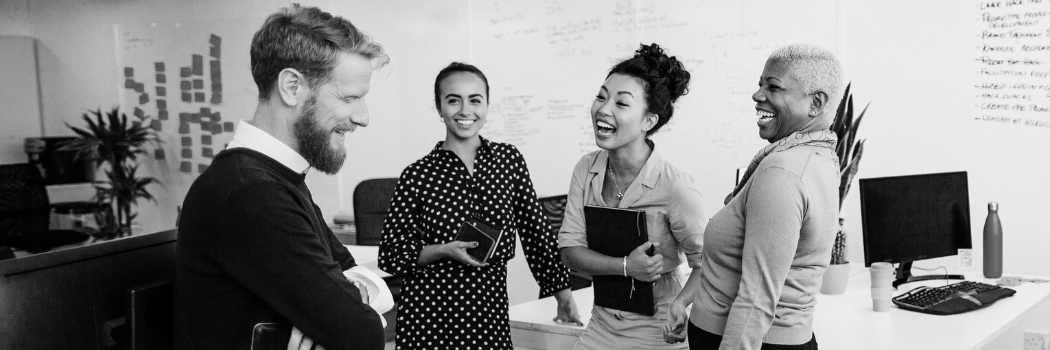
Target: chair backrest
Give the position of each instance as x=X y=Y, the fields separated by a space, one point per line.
x=371 y=203
x=24 y=206
x=554 y=208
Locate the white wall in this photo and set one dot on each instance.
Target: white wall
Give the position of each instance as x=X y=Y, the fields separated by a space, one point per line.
x=900 y=55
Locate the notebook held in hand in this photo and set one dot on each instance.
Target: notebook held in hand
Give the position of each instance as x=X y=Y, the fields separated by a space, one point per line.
x=616 y=232
x=487 y=236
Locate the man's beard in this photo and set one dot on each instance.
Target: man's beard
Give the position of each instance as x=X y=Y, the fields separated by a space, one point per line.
x=314 y=140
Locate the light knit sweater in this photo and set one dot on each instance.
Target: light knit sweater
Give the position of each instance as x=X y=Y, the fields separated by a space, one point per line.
x=765 y=252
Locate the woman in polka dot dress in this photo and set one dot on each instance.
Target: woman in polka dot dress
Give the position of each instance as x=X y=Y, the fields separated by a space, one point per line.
x=635 y=100
x=451 y=301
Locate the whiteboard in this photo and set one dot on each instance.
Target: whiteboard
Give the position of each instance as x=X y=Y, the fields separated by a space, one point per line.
x=545 y=61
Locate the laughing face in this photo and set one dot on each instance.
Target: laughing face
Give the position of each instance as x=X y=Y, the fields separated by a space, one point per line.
x=619 y=112
x=332 y=110
x=782 y=105
x=464 y=104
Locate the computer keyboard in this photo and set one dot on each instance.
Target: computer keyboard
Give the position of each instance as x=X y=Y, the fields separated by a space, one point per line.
x=953 y=298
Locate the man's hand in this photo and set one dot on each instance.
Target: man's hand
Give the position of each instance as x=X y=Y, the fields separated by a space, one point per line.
x=567 y=312
x=299 y=341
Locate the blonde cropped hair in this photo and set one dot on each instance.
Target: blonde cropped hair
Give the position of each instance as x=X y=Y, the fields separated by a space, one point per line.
x=817 y=69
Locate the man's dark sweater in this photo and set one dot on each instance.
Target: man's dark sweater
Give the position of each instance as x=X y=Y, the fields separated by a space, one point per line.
x=253 y=248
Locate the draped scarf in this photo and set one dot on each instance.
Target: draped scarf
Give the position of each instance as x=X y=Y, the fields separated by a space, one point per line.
x=819 y=138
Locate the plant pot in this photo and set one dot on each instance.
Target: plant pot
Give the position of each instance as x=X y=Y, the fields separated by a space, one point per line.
x=835 y=279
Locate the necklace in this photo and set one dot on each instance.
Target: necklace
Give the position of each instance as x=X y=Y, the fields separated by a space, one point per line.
x=619 y=193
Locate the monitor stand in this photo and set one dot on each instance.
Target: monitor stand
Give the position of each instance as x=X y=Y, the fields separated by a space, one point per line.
x=904 y=275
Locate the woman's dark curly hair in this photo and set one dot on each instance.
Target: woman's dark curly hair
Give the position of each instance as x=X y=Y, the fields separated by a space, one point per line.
x=663 y=78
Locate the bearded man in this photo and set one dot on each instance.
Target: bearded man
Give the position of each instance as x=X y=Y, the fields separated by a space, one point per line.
x=253 y=247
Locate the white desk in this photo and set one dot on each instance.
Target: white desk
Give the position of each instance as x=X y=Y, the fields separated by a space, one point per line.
x=844 y=321
x=367 y=256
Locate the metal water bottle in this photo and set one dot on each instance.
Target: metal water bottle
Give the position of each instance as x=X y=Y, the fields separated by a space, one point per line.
x=993 y=243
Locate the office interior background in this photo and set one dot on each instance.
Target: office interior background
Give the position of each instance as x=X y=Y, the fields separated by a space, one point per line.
x=945 y=93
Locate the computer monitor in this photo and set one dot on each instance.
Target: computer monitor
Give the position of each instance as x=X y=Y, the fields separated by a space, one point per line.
x=58 y=166
x=915 y=217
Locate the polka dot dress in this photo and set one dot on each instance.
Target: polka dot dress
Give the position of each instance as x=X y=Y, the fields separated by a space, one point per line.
x=446 y=304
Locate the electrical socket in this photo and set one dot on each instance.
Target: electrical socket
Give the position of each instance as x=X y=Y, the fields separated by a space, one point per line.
x=966 y=259
x=1035 y=340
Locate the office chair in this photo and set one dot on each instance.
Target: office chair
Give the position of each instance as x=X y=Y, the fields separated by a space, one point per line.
x=371 y=203
x=554 y=208
x=25 y=212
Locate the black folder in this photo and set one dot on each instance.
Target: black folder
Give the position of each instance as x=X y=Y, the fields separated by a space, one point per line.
x=616 y=232
x=487 y=236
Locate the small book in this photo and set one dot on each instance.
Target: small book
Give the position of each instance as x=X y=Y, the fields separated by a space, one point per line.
x=616 y=232
x=487 y=236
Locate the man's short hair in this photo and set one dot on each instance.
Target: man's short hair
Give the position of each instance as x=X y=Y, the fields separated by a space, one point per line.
x=308 y=40
x=817 y=69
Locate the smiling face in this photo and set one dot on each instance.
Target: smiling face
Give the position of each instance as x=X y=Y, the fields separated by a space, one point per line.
x=332 y=110
x=464 y=104
x=619 y=113
x=782 y=105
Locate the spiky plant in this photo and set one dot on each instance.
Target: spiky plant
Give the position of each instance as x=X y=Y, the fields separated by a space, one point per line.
x=849 y=151
x=111 y=139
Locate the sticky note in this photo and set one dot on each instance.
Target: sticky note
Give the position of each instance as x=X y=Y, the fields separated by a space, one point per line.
x=184 y=117
x=215 y=117
x=206 y=152
x=202 y=167
x=227 y=126
x=158 y=154
x=205 y=126
x=194 y=118
x=161 y=79
x=156 y=125
x=198 y=65
x=215 y=40
x=198 y=97
x=162 y=104
x=129 y=72
x=214 y=52
x=185 y=167
x=137 y=112
x=216 y=68
x=143 y=99
x=187 y=153
x=216 y=128
x=216 y=87
x=185 y=85
x=184 y=128
x=129 y=84
x=187 y=97
x=184 y=72
x=205 y=140
x=216 y=99
x=139 y=87
x=198 y=83
x=205 y=112
x=158 y=66
x=187 y=141
x=162 y=114
x=161 y=91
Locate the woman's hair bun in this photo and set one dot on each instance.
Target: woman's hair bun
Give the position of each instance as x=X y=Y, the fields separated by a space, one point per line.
x=666 y=67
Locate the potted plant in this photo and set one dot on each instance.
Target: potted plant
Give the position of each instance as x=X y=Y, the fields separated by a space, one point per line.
x=849 y=150
x=112 y=140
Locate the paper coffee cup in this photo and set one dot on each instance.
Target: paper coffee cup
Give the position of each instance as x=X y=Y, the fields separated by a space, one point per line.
x=881 y=275
x=880 y=298
x=881 y=305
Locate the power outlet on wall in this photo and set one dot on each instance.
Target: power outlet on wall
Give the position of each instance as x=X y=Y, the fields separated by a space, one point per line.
x=966 y=259
x=1035 y=340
